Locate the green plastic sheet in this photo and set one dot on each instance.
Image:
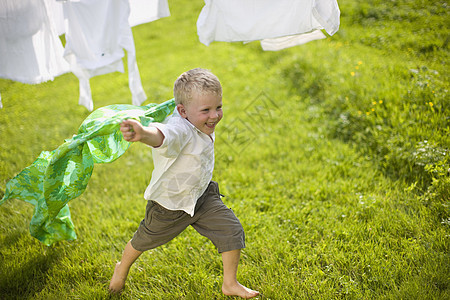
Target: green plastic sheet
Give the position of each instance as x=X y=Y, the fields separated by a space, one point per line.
x=61 y=175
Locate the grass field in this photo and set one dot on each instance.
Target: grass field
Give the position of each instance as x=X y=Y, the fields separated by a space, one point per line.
x=334 y=156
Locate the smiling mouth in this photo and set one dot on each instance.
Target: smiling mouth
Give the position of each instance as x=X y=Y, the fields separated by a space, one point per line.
x=210 y=125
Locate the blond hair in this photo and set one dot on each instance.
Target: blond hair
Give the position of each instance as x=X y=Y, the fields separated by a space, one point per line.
x=195 y=82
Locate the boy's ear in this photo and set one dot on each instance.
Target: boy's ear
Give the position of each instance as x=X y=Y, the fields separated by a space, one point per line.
x=182 y=110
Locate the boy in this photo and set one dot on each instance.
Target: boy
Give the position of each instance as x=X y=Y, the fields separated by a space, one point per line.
x=181 y=192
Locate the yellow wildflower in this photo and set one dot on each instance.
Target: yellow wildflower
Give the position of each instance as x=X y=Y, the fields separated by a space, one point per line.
x=352 y=73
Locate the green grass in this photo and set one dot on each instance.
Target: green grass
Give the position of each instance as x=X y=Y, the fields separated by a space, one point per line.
x=334 y=155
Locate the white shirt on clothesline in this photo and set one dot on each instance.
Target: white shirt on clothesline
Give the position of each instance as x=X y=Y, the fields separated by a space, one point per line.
x=252 y=20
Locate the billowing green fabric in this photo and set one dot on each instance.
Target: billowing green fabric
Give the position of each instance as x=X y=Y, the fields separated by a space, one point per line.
x=59 y=176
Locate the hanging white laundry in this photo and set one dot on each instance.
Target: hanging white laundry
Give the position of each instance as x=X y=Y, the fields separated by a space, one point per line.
x=145 y=11
x=57 y=15
x=97 y=32
x=30 y=49
x=284 y=42
x=251 y=20
x=327 y=13
x=141 y=11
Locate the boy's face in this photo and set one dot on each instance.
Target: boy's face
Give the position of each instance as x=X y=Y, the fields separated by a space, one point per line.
x=203 y=111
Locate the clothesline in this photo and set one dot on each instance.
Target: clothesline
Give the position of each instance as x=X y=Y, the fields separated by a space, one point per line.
x=97 y=32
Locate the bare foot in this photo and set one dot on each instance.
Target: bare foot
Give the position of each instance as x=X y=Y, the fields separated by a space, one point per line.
x=239 y=290
x=117 y=281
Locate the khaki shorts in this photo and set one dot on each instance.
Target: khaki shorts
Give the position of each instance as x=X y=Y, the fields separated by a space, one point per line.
x=211 y=219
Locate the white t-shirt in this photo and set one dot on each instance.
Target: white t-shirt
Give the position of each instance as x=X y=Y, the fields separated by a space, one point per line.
x=250 y=20
x=184 y=164
x=97 y=33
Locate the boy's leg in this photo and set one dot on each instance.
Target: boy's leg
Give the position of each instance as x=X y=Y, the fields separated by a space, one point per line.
x=218 y=223
x=122 y=268
x=158 y=227
x=230 y=286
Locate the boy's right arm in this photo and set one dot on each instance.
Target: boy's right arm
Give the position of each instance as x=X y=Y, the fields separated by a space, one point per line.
x=133 y=131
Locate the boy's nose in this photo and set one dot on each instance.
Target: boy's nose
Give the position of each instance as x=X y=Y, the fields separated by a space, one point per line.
x=214 y=114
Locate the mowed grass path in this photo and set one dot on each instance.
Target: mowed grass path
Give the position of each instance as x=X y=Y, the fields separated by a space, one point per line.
x=322 y=218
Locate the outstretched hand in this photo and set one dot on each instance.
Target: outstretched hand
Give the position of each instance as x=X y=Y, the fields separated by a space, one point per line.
x=132 y=130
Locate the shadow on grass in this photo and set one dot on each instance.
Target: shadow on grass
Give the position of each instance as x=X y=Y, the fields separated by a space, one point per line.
x=29 y=278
